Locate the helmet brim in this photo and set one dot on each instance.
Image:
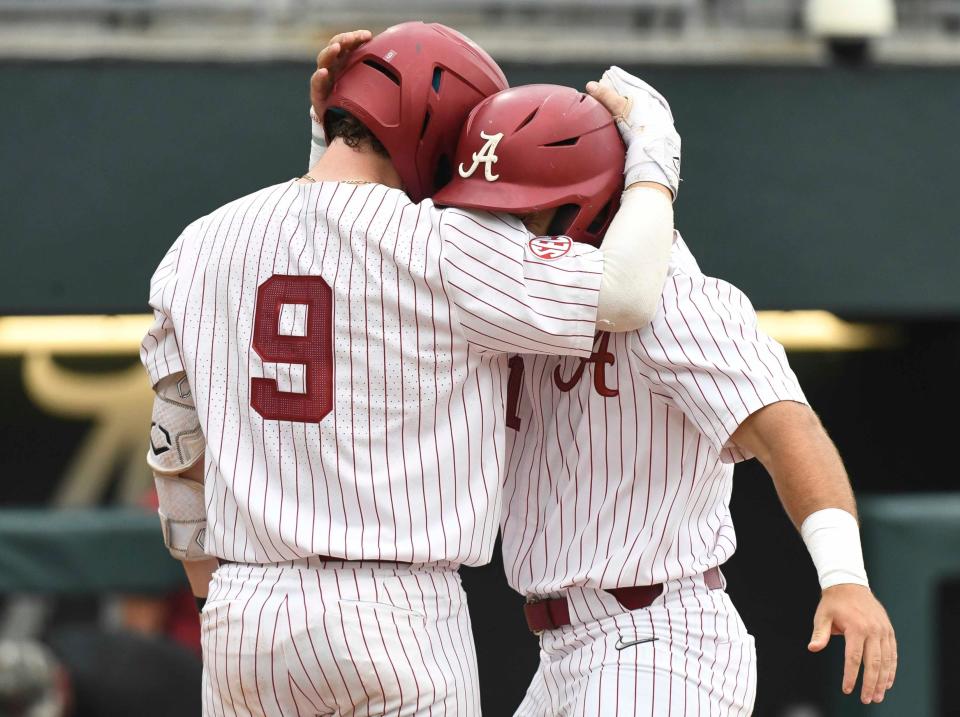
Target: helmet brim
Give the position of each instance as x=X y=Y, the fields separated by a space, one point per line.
x=496 y=197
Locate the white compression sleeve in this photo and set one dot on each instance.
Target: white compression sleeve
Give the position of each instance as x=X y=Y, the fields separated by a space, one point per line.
x=832 y=537
x=636 y=252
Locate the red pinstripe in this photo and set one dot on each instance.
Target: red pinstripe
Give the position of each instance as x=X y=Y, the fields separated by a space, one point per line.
x=296 y=651
x=513 y=298
x=273 y=665
x=347 y=641
x=309 y=632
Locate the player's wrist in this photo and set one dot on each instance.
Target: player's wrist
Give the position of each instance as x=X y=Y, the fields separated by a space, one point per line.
x=654 y=158
x=318 y=139
x=655 y=186
x=832 y=537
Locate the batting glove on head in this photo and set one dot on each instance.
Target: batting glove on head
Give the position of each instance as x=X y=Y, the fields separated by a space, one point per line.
x=646 y=125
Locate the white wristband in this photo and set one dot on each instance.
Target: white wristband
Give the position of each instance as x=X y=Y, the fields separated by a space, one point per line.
x=832 y=537
x=318 y=140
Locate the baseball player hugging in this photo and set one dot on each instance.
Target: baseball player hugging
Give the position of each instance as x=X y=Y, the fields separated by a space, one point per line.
x=619 y=474
x=332 y=358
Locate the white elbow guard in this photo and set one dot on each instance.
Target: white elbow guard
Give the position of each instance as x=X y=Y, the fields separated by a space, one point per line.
x=183 y=516
x=832 y=537
x=176 y=444
x=176 y=439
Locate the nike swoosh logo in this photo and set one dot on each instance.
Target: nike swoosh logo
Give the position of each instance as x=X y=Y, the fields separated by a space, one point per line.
x=622 y=645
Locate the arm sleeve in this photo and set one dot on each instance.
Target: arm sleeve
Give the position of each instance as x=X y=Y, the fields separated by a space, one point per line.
x=510 y=299
x=159 y=350
x=705 y=351
x=636 y=251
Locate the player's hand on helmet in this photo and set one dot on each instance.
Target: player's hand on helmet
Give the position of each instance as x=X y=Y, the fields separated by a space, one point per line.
x=645 y=122
x=330 y=61
x=616 y=104
x=853 y=611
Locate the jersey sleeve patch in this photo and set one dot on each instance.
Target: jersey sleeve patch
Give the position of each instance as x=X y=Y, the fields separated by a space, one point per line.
x=508 y=296
x=550 y=248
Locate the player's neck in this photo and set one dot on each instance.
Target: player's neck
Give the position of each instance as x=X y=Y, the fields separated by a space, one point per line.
x=342 y=163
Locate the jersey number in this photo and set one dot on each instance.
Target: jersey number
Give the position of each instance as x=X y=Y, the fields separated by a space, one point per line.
x=314 y=350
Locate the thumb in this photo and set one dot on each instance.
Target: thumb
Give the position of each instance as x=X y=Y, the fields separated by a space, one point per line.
x=821 y=633
x=607 y=96
x=320 y=86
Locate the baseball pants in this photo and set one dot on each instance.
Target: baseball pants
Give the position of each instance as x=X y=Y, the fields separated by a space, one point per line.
x=687 y=654
x=310 y=638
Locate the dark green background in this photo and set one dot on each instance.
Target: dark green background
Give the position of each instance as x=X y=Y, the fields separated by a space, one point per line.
x=807 y=187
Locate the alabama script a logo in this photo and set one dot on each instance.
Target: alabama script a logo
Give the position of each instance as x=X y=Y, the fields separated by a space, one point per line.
x=601 y=358
x=486 y=156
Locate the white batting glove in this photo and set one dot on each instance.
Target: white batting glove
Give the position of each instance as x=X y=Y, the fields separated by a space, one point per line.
x=318 y=140
x=646 y=125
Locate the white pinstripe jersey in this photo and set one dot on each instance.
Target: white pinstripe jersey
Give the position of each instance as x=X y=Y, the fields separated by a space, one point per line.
x=621 y=469
x=346 y=351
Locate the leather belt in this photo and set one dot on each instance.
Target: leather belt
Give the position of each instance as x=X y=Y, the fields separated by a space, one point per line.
x=552 y=613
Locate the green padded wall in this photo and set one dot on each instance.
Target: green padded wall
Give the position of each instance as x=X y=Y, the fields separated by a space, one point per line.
x=807 y=187
x=85 y=552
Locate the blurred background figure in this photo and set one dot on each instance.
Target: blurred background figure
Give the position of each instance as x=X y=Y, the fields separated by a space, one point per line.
x=87 y=672
x=820 y=161
x=32 y=682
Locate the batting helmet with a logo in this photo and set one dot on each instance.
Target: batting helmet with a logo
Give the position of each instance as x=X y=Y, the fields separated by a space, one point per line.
x=538 y=147
x=413 y=86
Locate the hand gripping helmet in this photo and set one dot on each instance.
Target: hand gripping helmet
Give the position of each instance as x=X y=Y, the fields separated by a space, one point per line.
x=536 y=147
x=413 y=86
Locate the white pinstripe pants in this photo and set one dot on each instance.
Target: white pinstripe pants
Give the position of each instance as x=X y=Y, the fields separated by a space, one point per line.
x=345 y=639
x=702 y=663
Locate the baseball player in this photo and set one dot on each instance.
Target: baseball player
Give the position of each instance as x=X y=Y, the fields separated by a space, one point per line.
x=330 y=357
x=619 y=475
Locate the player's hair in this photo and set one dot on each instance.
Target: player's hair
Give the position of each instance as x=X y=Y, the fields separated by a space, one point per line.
x=354 y=133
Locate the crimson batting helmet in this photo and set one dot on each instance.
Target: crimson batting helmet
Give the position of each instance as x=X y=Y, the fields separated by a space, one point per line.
x=537 y=147
x=413 y=86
